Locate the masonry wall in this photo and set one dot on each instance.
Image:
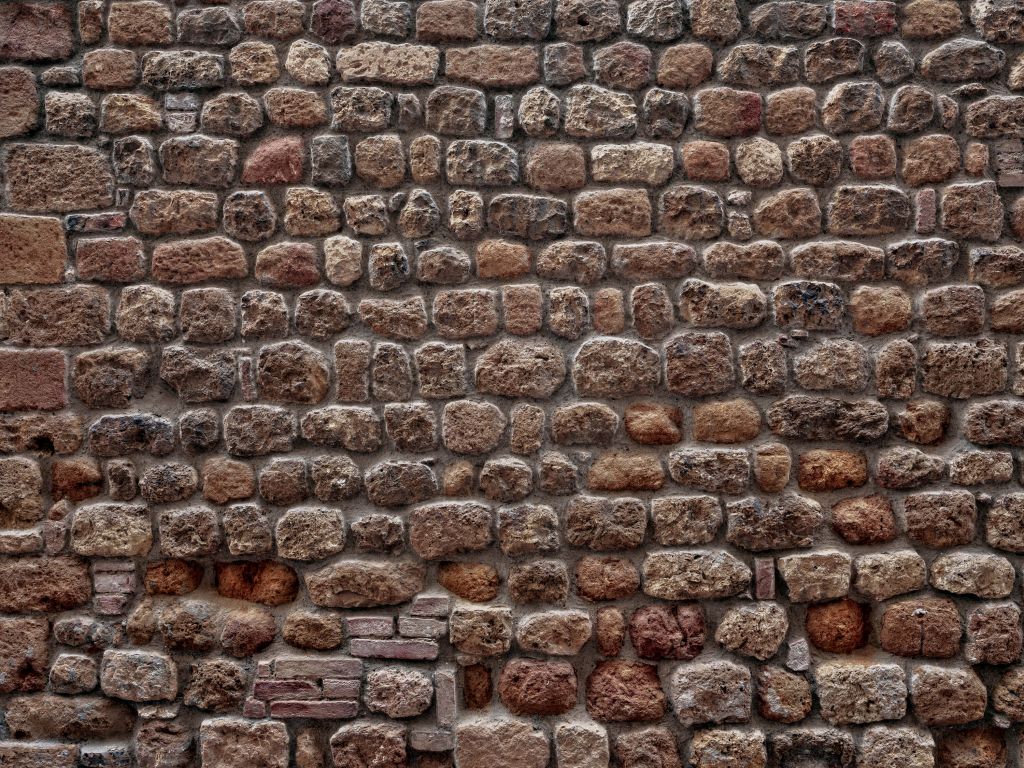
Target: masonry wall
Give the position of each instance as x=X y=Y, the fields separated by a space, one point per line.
x=511 y=384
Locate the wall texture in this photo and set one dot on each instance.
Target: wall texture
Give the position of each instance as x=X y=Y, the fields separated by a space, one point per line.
x=514 y=383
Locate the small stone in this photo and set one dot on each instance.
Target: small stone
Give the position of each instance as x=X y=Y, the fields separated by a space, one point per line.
x=782 y=696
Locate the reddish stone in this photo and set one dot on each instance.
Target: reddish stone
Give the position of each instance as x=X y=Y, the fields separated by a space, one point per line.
x=34 y=584
x=864 y=18
x=275 y=161
x=32 y=249
x=32 y=380
x=664 y=632
x=606 y=578
x=36 y=31
x=925 y=211
x=185 y=262
x=476 y=686
x=864 y=520
x=838 y=627
x=23 y=654
x=981 y=747
x=288 y=265
x=316 y=710
x=109 y=259
x=529 y=687
x=173 y=577
x=264 y=582
x=333 y=21
x=75 y=479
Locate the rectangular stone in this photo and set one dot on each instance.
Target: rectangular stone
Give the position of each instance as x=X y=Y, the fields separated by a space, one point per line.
x=393 y=63
x=58 y=178
x=285 y=689
x=370 y=626
x=433 y=740
x=32 y=380
x=108 y=221
x=20 y=542
x=430 y=605
x=1011 y=179
x=410 y=626
x=764 y=578
x=110 y=604
x=33 y=249
x=446 y=695
x=341 y=689
x=924 y=221
x=114 y=582
x=317 y=710
x=19 y=754
x=410 y=650
x=286 y=667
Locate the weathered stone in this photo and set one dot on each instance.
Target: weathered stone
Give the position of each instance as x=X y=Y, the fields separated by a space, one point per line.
x=711 y=692
x=946 y=695
x=361 y=584
x=861 y=693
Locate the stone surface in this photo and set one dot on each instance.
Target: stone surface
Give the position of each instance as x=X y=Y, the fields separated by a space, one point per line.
x=529 y=357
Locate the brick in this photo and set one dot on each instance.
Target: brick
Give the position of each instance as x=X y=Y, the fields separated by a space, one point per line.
x=315 y=710
x=412 y=650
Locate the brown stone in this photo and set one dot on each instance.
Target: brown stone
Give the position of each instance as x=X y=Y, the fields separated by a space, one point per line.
x=659 y=632
x=530 y=687
x=841 y=626
x=620 y=691
x=264 y=582
x=19 y=102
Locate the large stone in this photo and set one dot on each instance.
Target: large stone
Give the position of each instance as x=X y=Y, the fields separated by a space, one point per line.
x=861 y=693
x=112 y=530
x=500 y=743
x=529 y=687
x=236 y=743
x=711 y=692
x=138 y=675
x=520 y=369
x=57 y=177
x=680 y=575
x=365 y=584
x=607 y=367
x=620 y=691
x=44 y=584
x=68 y=718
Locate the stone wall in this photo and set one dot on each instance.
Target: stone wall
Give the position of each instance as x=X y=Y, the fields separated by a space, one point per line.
x=511 y=383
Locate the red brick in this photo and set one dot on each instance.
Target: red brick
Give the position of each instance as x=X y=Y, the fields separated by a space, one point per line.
x=411 y=650
x=285 y=689
x=299 y=666
x=341 y=689
x=32 y=380
x=319 y=710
